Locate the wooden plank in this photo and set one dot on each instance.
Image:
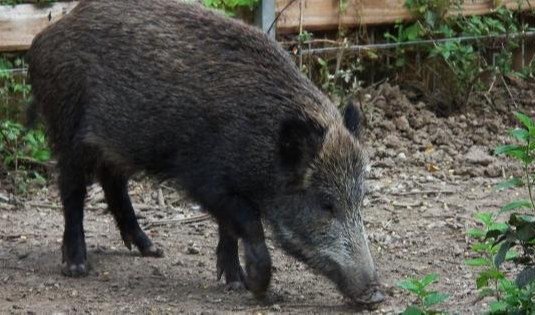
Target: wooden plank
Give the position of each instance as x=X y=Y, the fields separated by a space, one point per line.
x=19 y=24
x=324 y=14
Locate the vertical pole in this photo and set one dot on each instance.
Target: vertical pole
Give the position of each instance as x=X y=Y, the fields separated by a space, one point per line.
x=265 y=15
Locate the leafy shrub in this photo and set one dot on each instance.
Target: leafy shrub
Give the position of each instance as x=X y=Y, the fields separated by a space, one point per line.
x=18 y=145
x=230 y=6
x=498 y=239
x=426 y=299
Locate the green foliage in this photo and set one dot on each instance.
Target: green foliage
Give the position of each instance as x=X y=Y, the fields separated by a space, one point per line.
x=230 y=6
x=22 y=152
x=497 y=239
x=463 y=60
x=338 y=84
x=18 y=144
x=427 y=300
x=9 y=85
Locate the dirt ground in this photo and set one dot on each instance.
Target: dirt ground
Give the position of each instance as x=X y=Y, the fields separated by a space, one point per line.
x=428 y=176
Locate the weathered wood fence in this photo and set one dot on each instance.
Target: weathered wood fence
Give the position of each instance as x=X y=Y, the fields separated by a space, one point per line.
x=326 y=14
x=20 y=23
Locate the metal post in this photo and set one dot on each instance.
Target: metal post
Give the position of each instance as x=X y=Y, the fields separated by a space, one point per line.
x=265 y=15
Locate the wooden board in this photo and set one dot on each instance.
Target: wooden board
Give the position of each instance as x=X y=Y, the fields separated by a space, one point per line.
x=19 y=24
x=324 y=14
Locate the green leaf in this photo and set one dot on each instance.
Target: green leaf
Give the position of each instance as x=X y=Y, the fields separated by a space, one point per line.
x=498 y=306
x=486 y=292
x=526 y=233
x=41 y=155
x=525 y=277
x=476 y=262
x=477 y=233
x=525 y=120
x=500 y=256
x=517 y=204
x=434 y=298
x=410 y=285
x=520 y=134
x=413 y=310
x=511 y=183
x=485 y=276
x=484 y=217
x=496 y=230
x=507 y=148
x=322 y=62
x=520 y=219
x=511 y=254
x=481 y=247
x=412 y=32
x=428 y=279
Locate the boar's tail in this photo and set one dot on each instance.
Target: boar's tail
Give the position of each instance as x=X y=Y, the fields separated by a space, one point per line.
x=32 y=113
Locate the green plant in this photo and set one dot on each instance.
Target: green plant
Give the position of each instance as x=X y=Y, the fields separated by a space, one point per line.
x=230 y=6
x=426 y=299
x=19 y=145
x=499 y=238
x=459 y=63
x=488 y=280
x=338 y=83
x=14 y=91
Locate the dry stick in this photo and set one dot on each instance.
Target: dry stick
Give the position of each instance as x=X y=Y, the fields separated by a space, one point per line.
x=194 y=219
x=424 y=192
x=301 y=12
x=53 y=206
x=161 y=199
x=312 y=41
x=509 y=91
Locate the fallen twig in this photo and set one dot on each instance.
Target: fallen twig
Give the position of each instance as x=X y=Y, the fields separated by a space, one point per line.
x=509 y=91
x=194 y=219
x=423 y=192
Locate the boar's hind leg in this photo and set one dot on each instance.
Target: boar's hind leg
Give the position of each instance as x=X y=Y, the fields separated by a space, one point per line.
x=72 y=186
x=115 y=188
x=228 y=261
x=244 y=221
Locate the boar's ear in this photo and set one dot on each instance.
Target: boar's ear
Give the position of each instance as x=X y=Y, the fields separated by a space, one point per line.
x=353 y=119
x=299 y=142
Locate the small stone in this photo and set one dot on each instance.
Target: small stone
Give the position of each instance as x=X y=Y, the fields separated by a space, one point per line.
x=402 y=123
x=477 y=155
x=401 y=156
x=193 y=250
x=276 y=308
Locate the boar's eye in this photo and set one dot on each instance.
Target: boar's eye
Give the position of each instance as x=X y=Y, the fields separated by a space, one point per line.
x=328 y=207
x=327 y=204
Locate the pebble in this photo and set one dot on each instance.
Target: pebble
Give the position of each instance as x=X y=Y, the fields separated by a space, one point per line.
x=193 y=249
x=276 y=307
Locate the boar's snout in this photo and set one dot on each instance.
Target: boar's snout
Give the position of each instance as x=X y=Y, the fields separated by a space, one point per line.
x=370 y=297
x=361 y=289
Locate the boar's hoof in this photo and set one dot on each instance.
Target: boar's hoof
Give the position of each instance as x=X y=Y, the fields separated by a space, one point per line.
x=258 y=268
x=229 y=265
x=74 y=270
x=151 y=251
x=369 y=301
x=236 y=286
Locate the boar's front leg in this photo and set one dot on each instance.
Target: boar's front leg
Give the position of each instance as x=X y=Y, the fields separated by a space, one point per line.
x=237 y=217
x=228 y=261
